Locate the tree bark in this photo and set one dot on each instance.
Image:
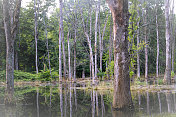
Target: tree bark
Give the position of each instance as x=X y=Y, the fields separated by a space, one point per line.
x=91 y=58
x=74 y=69
x=167 y=76
x=146 y=47
x=122 y=94
x=36 y=35
x=64 y=58
x=90 y=41
x=10 y=33
x=157 y=37
x=138 y=57
x=69 y=59
x=60 y=41
x=47 y=45
x=96 y=21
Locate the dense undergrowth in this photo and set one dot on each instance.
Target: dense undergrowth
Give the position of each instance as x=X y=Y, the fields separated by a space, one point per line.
x=26 y=76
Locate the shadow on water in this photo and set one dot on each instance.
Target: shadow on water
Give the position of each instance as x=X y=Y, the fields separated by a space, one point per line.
x=66 y=100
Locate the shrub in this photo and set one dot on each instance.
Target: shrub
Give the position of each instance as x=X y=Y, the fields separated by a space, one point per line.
x=19 y=75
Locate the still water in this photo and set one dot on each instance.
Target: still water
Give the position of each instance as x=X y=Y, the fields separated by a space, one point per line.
x=66 y=101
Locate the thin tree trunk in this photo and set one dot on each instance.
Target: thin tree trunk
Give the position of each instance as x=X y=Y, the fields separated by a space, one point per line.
x=157 y=36
x=138 y=57
x=172 y=35
x=91 y=58
x=36 y=35
x=100 y=45
x=60 y=41
x=69 y=59
x=47 y=45
x=110 y=47
x=96 y=21
x=167 y=76
x=61 y=100
x=90 y=41
x=146 y=47
x=75 y=55
x=64 y=58
x=122 y=94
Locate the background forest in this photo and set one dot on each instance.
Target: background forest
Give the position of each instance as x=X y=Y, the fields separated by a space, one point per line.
x=147 y=44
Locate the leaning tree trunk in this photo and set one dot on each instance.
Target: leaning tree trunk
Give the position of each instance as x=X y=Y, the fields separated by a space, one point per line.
x=167 y=76
x=122 y=94
x=36 y=35
x=60 y=42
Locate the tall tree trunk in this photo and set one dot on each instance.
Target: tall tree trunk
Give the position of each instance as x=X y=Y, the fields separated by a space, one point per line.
x=157 y=37
x=63 y=51
x=60 y=41
x=100 y=44
x=91 y=58
x=75 y=55
x=138 y=57
x=36 y=35
x=10 y=33
x=167 y=76
x=69 y=59
x=47 y=45
x=172 y=35
x=122 y=94
x=110 y=47
x=90 y=36
x=146 y=47
x=96 y=21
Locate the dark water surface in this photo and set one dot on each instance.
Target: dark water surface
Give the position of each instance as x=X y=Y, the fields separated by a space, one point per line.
x=66 y=101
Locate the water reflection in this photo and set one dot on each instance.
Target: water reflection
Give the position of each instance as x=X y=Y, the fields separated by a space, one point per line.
x=67 y=101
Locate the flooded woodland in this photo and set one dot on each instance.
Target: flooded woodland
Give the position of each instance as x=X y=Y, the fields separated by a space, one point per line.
x=68 y=100
x=87 y=58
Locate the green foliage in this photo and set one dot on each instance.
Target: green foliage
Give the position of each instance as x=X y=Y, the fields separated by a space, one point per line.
x=19 y=75
x=110 y=69
x=172 y=74
x=100 y=74
x=44 y=76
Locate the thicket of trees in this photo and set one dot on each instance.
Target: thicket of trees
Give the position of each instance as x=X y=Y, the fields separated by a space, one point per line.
x=44 y=30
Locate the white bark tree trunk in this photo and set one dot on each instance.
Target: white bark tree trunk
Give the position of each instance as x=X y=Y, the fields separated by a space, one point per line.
x=69 y=59
x=138 y=57
x=157 y=37
x=36 y=34
x=96 y=22
x=167 y=76
x=60 y=41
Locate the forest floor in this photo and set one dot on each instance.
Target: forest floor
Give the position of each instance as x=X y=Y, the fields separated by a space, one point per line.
x=86 y=84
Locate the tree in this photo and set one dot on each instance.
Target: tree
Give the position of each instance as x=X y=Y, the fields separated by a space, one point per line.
x=60 y=41
x=122 y=94
x=157 y=37
x=36 y=33
x=10 y=32
x=167 y=76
